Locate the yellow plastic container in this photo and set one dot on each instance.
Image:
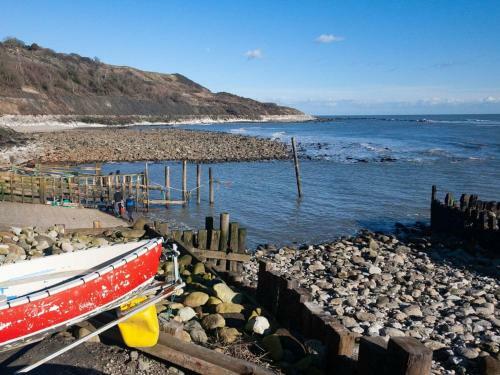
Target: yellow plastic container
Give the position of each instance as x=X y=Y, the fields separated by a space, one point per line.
x=142 y=329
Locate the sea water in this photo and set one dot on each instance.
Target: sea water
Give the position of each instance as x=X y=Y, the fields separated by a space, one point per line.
x=357 y=172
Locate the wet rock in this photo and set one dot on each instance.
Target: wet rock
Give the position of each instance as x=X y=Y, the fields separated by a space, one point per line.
x=213 y=321
x=258 y=324
x=226 y=294
x=186 y=313
x=226 y=307
x=196 y=299
x=229 y=335
x=198 y=335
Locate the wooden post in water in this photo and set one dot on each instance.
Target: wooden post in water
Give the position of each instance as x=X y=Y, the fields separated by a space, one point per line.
x=297 y=169
x=198 y=183
x=146 y=182
x=224 y=236
x=184 y=181
x=211 y=186
x=167 y=184
x=434 y=193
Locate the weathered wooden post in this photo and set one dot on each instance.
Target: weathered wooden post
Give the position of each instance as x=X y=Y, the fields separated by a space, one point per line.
x=233 y=243
x=184 y=181
x=406 y=355
x=297 y=169
x=224 y=233
x=167 y=184
x=434 y=193
x=211 y=186
x=198 y=183
x=146 y=182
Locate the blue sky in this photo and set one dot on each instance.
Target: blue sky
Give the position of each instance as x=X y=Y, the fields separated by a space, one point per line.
x=323 y=57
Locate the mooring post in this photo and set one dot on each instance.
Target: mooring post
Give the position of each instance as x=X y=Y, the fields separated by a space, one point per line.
x=167 y=184
x=198 y=183
x=184 y=181
x=211 y=186
x=146 y=182
x=224 y=236
x=297 y=169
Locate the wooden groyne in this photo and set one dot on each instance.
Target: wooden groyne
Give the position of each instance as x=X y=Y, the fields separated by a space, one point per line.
x=293 y=308
x=470 y=218
x=222 y=248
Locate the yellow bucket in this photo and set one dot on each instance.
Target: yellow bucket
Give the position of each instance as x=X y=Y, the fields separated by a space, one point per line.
x=141 y=329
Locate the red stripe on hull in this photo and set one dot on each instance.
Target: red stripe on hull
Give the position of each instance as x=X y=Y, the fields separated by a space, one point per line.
x=34 y=317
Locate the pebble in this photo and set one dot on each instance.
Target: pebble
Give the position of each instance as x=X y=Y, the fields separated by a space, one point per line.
x=400 y=286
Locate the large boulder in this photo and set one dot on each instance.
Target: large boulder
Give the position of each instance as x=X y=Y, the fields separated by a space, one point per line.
x=229 y=335
x=258 y=324
x=199 y=268
x=140 y=223
x=133 y=233
x=196 y=299
x=226 y=294
x=227 y=307
x=185 y=260
x=186 y=313
x=213 y=321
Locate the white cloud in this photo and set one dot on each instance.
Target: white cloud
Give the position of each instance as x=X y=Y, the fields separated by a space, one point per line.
x=254 y=54
x=329 y=38
x=491 y=99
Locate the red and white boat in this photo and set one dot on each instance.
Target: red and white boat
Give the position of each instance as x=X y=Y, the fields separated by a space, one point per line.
x=48 y=294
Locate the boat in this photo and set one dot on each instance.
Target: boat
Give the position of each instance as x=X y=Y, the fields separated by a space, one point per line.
x=48 y=294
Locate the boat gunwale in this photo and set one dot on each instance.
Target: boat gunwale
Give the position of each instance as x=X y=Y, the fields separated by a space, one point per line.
x=133 y=254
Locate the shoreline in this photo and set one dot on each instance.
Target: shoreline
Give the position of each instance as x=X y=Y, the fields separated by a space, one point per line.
x=51 y=123
x=123 y=144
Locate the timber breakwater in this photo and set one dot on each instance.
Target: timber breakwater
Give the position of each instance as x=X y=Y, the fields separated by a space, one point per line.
x=408 y=285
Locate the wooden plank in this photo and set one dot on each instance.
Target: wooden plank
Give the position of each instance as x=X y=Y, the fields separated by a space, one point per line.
x=214 y=239
x=162 y=201
x=202 y=239
x=187 y=237
x=220 y=255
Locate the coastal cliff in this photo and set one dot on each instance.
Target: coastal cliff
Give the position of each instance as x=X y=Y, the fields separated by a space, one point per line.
x=39 y=81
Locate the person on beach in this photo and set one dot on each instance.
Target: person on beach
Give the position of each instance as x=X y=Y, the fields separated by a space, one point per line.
x=118 y=202
x=130 y=207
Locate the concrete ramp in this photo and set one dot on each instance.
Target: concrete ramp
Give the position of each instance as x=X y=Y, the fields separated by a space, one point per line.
x=44 y=216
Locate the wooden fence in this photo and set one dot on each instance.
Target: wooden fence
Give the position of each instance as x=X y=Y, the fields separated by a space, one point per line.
x=469 y=218
x=224 y=248
x=85 y=190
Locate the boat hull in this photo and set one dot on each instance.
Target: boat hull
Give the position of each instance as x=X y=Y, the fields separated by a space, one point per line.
x=58 y=307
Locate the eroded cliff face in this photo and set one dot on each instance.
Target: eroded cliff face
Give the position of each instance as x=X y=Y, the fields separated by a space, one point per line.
x=36 y=80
